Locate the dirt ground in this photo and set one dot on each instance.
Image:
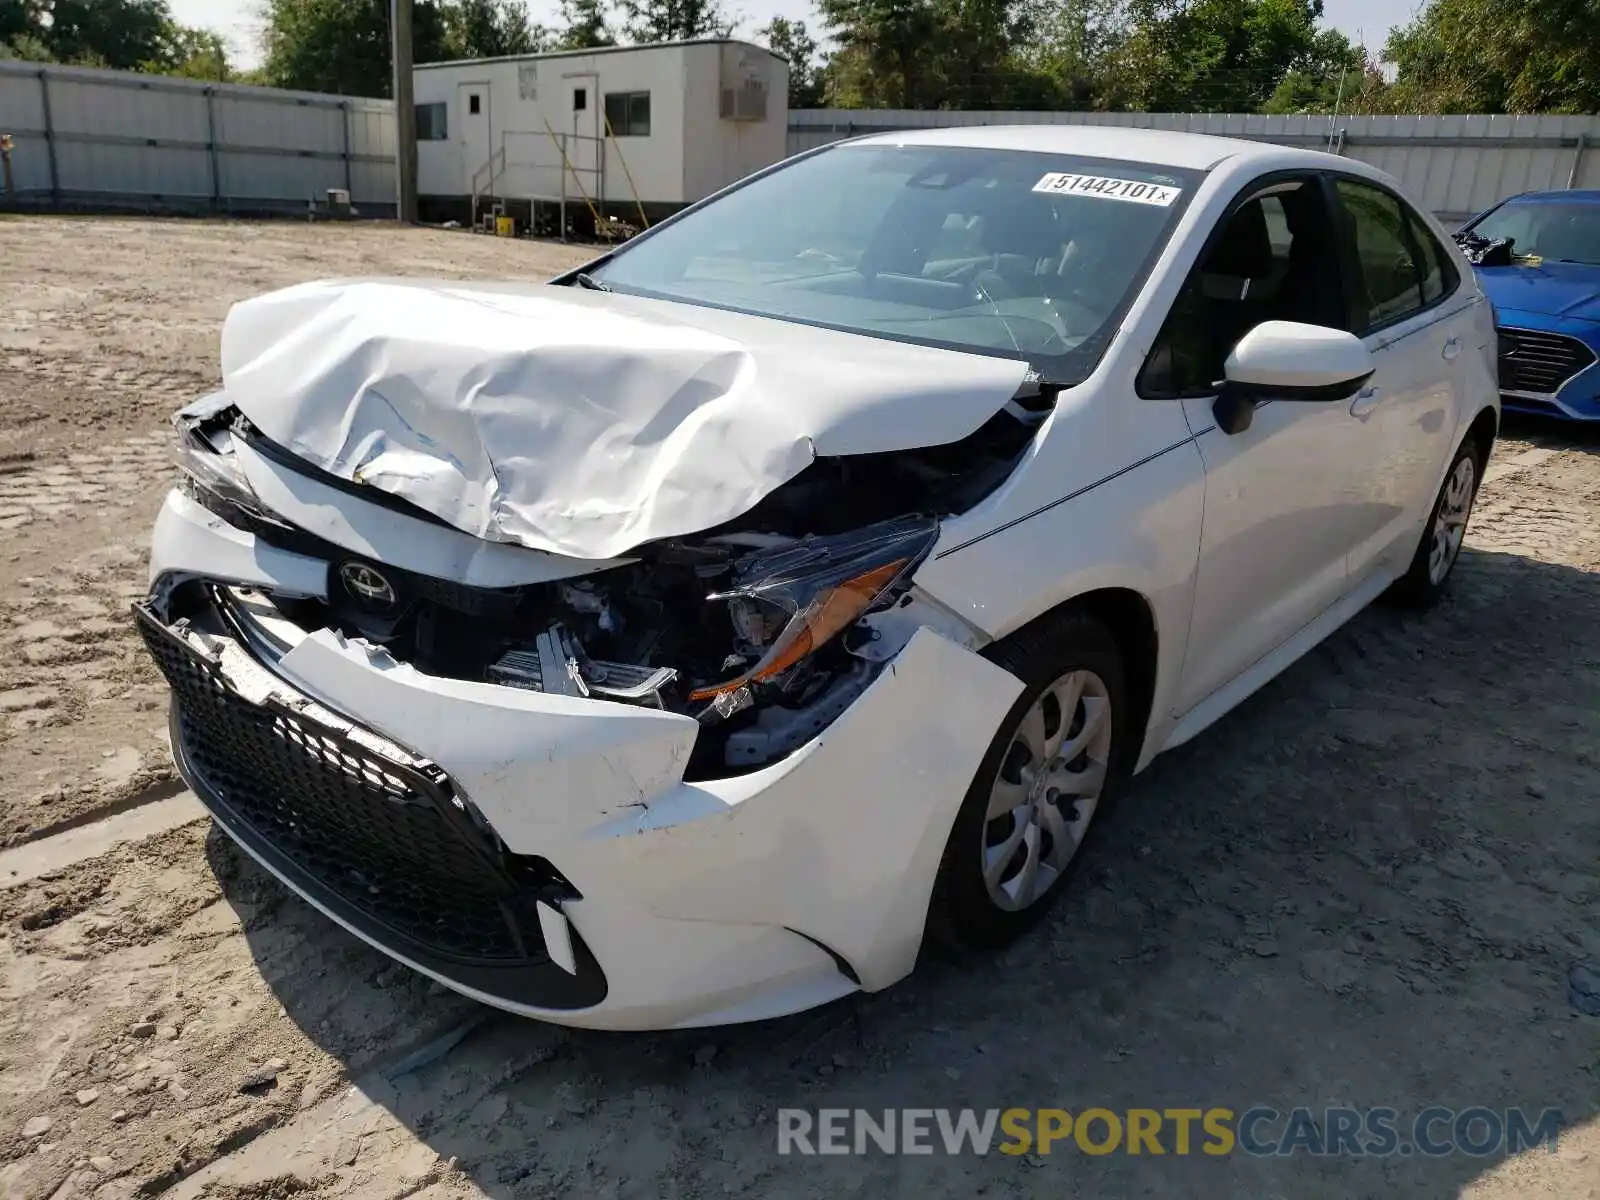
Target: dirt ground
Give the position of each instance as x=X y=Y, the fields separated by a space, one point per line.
x=1367 y=887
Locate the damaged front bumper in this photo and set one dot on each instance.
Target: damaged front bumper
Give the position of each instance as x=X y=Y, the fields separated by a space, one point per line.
x=543 y=852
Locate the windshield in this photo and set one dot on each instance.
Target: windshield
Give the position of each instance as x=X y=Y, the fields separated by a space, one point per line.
x=1557 y=230
x=1004 y=252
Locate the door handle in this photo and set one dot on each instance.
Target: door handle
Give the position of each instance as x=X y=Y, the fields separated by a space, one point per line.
x=1366 y=400
x=1452 y=348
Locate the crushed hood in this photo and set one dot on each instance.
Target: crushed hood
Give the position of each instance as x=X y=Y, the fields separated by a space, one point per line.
x=578 y=422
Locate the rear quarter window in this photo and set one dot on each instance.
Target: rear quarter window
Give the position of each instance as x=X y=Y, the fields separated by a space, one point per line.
x=1439 y=275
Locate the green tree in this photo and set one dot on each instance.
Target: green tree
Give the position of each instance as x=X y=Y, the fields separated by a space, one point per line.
x=935 y=54
x=1499 y=56
x=790 y=40
x=342 y=46
x=491 y=29
x=194 y=54
x=888 y=52
x=199 y=53
x=1334 y=75
x=1080 y=45
x=673 y=20
x=975 y=40
x=137 y=35
x=1217 y=55
x=20 y=19
x=26 y=47
x=125 y=34
x=584 y=25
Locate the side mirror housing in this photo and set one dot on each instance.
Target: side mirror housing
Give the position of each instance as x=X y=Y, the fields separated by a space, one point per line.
x=1286 y=360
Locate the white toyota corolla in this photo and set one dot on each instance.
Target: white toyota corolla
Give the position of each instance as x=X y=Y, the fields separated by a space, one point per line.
x=691 y=639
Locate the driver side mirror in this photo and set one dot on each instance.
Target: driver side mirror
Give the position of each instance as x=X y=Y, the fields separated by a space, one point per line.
x=1286 y=360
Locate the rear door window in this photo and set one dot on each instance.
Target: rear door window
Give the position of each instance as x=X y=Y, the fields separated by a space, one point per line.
x=1399 y=266
x=1389 y=279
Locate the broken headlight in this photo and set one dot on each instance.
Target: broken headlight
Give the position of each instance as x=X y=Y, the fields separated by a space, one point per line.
x=790 y=602
x=209 y=472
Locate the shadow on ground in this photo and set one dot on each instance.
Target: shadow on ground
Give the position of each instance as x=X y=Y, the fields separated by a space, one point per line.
x=1552 y=434
x=1363 y=888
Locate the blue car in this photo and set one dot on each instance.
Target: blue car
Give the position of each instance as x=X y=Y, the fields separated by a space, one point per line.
x=1547 y=301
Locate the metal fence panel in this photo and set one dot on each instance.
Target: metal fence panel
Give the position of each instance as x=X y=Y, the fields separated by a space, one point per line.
x=1457 y=165
x=372 y=147
x=166 y=174
x=372 y=129
x=279 y=178
x=146 y=109
x=372 y=179
x=22 y=115
x=113 y=137
x=21 y=99
x=244 y=120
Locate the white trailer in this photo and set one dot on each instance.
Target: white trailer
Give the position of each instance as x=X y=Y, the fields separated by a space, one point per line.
x=616 y=131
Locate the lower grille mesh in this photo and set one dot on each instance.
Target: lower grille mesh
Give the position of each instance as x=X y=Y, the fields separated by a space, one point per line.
x=380 y=835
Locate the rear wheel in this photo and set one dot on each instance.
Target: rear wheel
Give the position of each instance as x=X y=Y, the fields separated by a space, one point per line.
x=1424 y=581
x=1052 y=767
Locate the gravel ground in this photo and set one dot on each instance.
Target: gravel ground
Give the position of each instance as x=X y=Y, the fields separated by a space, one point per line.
x=1367 y=887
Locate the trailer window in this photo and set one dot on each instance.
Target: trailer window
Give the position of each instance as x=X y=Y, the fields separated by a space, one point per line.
x=431 y=123
x=628 y=113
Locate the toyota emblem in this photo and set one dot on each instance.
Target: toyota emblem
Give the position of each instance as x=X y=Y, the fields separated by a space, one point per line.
x=367 y=585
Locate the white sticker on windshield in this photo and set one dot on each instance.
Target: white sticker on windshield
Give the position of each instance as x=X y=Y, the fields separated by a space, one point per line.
x=1132 y=190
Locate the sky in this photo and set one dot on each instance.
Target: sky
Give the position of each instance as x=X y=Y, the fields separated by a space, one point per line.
x=239 y=21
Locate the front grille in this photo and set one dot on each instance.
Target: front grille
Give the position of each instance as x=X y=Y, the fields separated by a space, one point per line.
x=1534 y=361
x=409 y=586
x=388 y=839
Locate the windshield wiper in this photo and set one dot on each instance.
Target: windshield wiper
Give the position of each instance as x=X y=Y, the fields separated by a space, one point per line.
x=584 y=280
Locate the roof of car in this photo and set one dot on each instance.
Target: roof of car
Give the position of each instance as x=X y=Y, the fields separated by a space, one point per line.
x=1168 y=148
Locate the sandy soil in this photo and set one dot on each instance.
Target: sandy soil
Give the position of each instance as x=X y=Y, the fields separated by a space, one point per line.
x=1366 y=887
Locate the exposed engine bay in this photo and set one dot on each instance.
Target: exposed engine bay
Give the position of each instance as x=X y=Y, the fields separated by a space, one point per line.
x=764 y=629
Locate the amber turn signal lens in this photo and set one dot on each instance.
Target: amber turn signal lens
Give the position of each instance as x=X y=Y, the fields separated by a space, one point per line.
x=823 y=619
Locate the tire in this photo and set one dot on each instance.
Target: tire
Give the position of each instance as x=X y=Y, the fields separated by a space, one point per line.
x=1048 y=656
x=1440 y=547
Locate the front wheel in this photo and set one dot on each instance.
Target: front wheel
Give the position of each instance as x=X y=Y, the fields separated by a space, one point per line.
x=1052 y=768
x=1423 y=583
